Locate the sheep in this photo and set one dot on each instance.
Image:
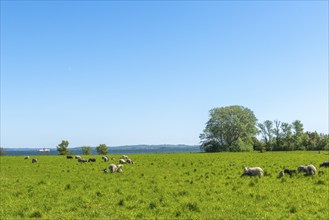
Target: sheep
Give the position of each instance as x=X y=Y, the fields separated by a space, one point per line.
x=122 y=161
x=252 y=171
x=82 y=160
x=77 y=157
x=113 y=168
x=34 y=160
x=105 y=171
x=325 y=164
x=124 y=157
x=129 y=161
x=290 y=172
x=69 y=157
x=26 y=157
x=309 y=170
x=105 y=158
x=92 y=160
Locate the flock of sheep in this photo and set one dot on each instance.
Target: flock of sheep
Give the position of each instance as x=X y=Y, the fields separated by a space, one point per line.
x=112 y=167
x=308 y=170
x=247 y=171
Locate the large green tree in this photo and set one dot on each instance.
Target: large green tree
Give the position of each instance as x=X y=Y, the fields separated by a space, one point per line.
x=86 y=150
x=102 y=149
x=229 y=128
x=62 y=148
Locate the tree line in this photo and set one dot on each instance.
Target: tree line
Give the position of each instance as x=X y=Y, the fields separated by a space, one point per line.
x=62 y=149
x=235 y=128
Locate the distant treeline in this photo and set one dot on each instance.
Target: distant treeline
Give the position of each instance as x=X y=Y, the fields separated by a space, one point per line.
x=111 y=150
x=278 y=136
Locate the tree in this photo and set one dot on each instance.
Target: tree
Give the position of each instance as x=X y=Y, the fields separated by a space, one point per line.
x=298 y=137
x=286 y=136
x=102 y=149
x=266 y=130
x=86 y=150
x=278 y=135
x=228 y=129
x=62 y=148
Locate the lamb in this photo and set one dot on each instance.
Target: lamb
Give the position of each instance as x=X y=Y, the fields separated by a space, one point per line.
x=309 y=170
x=34 y=160
x=325 y=164
x=129 y=161
x=252 y=171
x=92 y=160
x=105 y=158
x=290 y=172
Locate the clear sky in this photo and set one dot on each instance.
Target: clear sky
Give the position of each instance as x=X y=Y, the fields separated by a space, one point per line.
x=143 y=72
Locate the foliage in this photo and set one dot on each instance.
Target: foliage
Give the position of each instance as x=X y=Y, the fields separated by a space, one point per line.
x=86 y=150
x=285 y=136
x=102 y=149
x=62 y=148
x=165 y=186
x=228 y=129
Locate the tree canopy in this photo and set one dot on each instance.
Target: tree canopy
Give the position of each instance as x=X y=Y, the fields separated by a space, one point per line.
x=62 y=148
x=229 y=129
x=102 y=149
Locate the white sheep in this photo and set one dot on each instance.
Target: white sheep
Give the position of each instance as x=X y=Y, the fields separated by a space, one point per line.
x=122 y=161
x=252 y=171
x=309 y=170
x=113 y=168
x=105 y=158
x=124 y=157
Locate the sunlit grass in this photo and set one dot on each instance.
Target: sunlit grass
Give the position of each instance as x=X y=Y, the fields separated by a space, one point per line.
x=165 y=186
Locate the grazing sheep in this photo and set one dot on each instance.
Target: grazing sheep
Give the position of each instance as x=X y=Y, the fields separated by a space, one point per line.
x=113 y=168
x=252 y=171
x=325 y=164
x=129 y=161
x=92 y=160
x=69 y=157
x=290 y=172
x=105 y=158
x=82 y=160
x=105 y=171
x=34 y=160
x=124 y=157
x=77 y=157
x=119 y=170
x=26 y=157
x=122 y=161
x=309 y=170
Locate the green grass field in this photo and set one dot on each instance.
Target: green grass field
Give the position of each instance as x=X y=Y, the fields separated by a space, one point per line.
x=165 y=186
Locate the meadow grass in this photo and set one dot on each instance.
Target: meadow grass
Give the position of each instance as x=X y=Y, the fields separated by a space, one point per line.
x=164 y=186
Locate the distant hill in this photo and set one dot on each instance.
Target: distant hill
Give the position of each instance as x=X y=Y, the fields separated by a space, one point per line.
x=129 y=149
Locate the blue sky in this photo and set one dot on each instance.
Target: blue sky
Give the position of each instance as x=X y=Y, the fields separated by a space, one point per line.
x=122 y=73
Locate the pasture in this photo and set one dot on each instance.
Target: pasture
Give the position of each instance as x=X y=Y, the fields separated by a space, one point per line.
x=165 y=186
